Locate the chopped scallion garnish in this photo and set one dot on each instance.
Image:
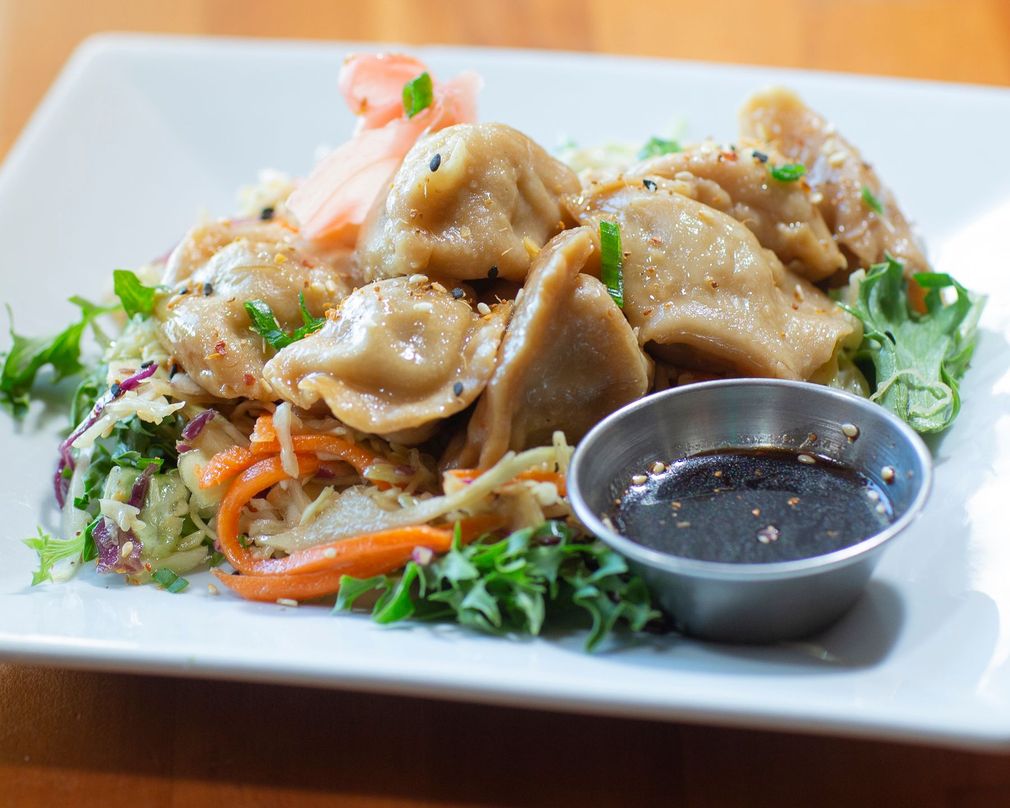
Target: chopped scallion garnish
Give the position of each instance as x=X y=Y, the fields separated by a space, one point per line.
x=655 y=146
x=417 y=95
x=871 y=201
x=169 y=581
x=612 y=261
x=789 y=172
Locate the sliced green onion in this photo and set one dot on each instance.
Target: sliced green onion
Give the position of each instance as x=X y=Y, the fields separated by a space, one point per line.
x=169 y=581
x=872 y=202
x=790 y=172
x=655 y=146
x=417 y=95
x=612 y=261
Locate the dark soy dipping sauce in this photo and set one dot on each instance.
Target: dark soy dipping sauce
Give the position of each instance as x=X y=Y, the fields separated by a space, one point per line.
x=752 y=506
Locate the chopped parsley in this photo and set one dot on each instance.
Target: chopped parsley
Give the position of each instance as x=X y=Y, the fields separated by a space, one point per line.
x=418 y=93
x=264 y=323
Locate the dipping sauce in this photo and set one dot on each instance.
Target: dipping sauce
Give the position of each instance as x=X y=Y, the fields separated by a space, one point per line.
x=751 y=506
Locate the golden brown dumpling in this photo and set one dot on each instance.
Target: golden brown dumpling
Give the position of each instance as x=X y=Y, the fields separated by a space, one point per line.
x=469 y=200
x=780 y=214
x=703 y=292
x=214 y=271
x=398 y=354
x=568 y=359
x=838 y=174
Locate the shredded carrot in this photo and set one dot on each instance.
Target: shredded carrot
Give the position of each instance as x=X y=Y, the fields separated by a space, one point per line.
x=469 y=475
x=263 y=431
x=316 y=572
x=258 y=477
x=225 y=465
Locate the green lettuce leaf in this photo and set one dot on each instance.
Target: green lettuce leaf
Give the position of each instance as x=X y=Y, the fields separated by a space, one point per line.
x=513 y=585
x=135 y=297
x=917 y=360
x=28 y=355
x=52 y=550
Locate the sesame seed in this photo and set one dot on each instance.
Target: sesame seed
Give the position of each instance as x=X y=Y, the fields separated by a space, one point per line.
x=437 y=287
x=761 y=157
x=126 y=549
x=717 y=473
x=147 y=364
x=330 y=552
x=212 y=590
x=208 y=289
x=457 y=293
x=872 y=495
x=805 y=458
x=649 y=185
x=286 y=602
x=457 y=389
x=683 y=524
x=756 y=511
x=436 y=161
x=658 y=467
x=484 y=308
x=887 y=474
x=493 y=272
x=675 y=505
x=768 y=534
x=267 y=214
x=881 y=508
x=837 y=159
x=851 y=431
x=417 y=277
x=115 y=391
x=639 y=479
x=792 y=502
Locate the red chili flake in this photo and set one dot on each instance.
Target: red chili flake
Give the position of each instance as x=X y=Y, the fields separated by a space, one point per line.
x=249 y=379
x=220 y=347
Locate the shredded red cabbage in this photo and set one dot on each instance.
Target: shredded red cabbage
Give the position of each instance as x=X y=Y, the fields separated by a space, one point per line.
x=193 y=429
x=61 y=483
x=109 y=541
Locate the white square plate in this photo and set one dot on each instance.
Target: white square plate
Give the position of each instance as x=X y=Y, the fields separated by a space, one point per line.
x=140 y=134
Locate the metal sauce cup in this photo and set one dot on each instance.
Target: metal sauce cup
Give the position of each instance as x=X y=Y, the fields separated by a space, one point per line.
x=753 y=603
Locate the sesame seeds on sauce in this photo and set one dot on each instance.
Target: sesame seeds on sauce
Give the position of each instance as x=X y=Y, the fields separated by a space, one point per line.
x=749 y=506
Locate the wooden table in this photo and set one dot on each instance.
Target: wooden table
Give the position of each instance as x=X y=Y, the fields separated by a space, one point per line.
x=80 y=739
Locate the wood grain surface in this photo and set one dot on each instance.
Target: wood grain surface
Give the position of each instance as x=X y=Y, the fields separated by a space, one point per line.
x=83 y=739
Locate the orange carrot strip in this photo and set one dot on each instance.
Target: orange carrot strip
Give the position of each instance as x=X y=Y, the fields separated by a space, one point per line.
x=354 y=549
x=225 y=465
x=258 y=477
x=556 y=477
x=364 y=556
x=306 y=586
x=263 y=431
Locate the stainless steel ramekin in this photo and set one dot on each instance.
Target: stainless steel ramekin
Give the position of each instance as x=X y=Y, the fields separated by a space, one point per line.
x=752 y=603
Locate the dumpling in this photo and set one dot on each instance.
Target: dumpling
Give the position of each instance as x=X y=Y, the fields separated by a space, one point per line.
x=838 y=174
x=738 y=182
x=568 y=359
x=471 y=201
x=215 y=271
x=703 y=292
x=396 y=355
